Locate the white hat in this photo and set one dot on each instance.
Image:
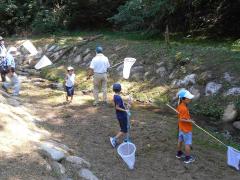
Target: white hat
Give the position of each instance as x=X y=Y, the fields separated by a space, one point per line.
x=185 y=93
x=70 y=68
x=12 y=49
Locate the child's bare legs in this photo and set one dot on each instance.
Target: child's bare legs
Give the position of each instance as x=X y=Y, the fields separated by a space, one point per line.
x=187 y=149
x=179 y=145
x=67 y=98
x=71 y=99
x=119 y=135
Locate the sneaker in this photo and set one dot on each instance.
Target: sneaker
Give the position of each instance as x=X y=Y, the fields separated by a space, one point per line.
x=113 y=142
x=180 y=155
x=189 y=159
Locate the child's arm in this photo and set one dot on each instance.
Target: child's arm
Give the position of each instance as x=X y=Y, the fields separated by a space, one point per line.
x=120 y=109
x=65 y=79
x=187 y=120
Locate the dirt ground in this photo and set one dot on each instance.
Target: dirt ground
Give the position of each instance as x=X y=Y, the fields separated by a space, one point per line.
x=86 y=129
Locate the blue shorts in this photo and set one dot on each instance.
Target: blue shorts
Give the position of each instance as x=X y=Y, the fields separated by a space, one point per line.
x=123 y=125
x=70 y=90
x=185 y=137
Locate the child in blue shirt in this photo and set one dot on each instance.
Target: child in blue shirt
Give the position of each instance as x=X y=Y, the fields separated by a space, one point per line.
x=122 y=114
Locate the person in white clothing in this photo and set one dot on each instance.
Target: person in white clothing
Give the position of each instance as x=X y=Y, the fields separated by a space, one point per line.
x=14 y=82
x=69 y=83
x=3 y=64
x=10 y=57
x=98 y=68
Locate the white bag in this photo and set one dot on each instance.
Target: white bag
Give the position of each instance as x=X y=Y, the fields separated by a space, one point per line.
x=128 y=63
x=30 y=47
x=43 y=62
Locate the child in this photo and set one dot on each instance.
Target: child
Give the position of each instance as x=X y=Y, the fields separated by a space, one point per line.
x=185 y=126
x=69 y=83
x=14 y=82
x=122 y=114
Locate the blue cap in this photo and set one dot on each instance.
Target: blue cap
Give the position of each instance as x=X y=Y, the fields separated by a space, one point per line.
x=117 y=87
x=183 y=93
x=99 y=49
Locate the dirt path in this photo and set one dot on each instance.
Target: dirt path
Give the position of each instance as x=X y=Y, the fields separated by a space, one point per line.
x=86 y=130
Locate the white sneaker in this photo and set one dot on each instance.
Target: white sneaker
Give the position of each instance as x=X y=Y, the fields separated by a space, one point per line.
x=113 y=142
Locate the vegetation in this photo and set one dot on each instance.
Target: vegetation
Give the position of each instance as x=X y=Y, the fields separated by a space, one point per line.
x=191 y=18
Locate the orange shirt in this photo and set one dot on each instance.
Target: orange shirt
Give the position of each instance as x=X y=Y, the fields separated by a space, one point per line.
x=184 y=114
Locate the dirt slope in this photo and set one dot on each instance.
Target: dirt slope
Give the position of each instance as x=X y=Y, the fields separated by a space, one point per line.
x=86 y=130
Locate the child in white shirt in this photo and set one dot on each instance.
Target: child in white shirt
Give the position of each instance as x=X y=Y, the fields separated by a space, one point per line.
x=14 y=82
x=69 y=83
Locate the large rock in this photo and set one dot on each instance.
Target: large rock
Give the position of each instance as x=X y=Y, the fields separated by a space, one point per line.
x=86 y=174
x=77 y=59
x=137 y=76
x=52 y=152
x=86 y=52
x=189 y=79
x=236 y=124
x=230 y=113
x=52 y=48
x=212 y=88
x=195 y=92
x=87 y=58
x=75 y=160
x=58 y=168
x=233 y=91
x=161 y=71
x=137 y=69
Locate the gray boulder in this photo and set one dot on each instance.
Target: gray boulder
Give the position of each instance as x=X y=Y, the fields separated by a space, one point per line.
x=236 y=125
x=233 y=91
x=86 y=174
x=86 y=52
x=75 y=160
x=87 y=58
x=52 y=152
x=77 y=59
x=58 y=168
x=212 y=88
x=230 y=113
x=161 y=71
x=189 y=79
x=195 y=92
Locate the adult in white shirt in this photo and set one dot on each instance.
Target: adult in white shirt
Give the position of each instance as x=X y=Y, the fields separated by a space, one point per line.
x=10 y=57
x=3 y=53
x=98 y=68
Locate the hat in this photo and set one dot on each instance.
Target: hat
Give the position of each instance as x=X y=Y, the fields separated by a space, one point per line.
x=183 y=93
x=12 y=49
x=1 y=38
x=117 y=87
x=70 y=68
x=99 y=49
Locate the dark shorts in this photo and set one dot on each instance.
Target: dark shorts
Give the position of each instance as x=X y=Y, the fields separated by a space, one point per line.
x=70 y=91
x=123 y=125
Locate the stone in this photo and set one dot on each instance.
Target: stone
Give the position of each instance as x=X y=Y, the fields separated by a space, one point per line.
x=195 y=92
x=189 y=79
x=227 y=77
x=147 y=75
x=88 y=57
x=58 y=86
x=212 y=88
x=137 y=69
x=52 y=48
x=52 y=152
x=120 y=68
x=78 y=161
x=118 y=48
x=86 y=174
x=77 y=59
x=58 y=168
x=230 y=113
x=236 y=125
x=86 y=52
x=161 y=71
x=233 y=91
x=160 y=63
x=137 y=76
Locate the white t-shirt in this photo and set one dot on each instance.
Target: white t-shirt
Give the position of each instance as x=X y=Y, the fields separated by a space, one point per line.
x=70 y=80
x=10 y=60
x=100 y=64
x=233 y=157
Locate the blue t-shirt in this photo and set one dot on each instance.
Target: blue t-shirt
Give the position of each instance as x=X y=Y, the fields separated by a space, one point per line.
x=121 y=115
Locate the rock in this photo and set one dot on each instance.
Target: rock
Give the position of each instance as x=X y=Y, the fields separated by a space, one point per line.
x=161 y=71
x=233 y=91
x=77 y=59
x=189 y=79
x=160 y=63
x=52 y=152
x=58 y=168
x=63 y=147
x=236 y=125
x=87 y=174
x=227 y=77
x=120 y=68
x=147 y=75
x=88 y=57
x=173 y=74
x=75 y=160
x=137 y=69
x=195 y=92
x=137 y=76
x=118 y=48
x=212 y=88
x=86 y=52
x=33 y=72
x=52 y=48
x=58 y=86
x=230 y=113
x=204 y=77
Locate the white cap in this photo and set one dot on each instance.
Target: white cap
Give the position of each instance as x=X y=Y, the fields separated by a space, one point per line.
x=185 y=93
x=70 y=68
x=12 y=49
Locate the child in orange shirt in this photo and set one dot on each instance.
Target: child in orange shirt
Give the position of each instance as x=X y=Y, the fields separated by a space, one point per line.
x=185 y=126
